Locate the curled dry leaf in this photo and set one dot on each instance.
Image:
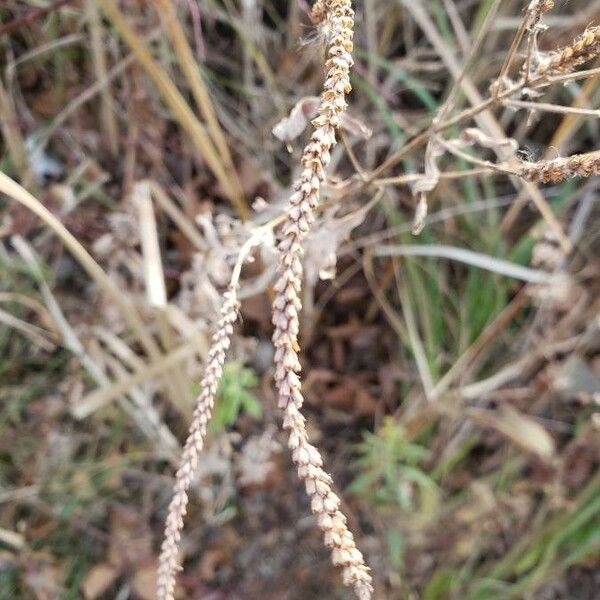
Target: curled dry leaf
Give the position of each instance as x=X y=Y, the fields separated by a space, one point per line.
x=432 y=173
x=290 y=127
x=325 y=239
x=427 y=183
x=526 y=432
x=521 y=429
x=98 y=580
x=504 y=147
x=420 y=214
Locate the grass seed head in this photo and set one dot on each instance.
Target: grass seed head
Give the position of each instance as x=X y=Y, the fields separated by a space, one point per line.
x=584 y=48
x=560 y=169
x=167 y=564
x=286 y=305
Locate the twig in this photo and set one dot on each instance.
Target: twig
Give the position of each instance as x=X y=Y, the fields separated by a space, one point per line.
x=553 y=108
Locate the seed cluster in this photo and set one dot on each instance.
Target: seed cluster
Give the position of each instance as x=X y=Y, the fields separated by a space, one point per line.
x=537 y=8
x=338 y=16
x=318 y=13
x=584 y=48
x=221 y=340
x=559 y=169
x=325 y=504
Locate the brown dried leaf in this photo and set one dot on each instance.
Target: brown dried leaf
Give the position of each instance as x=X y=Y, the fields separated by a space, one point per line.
x=522 y=429
x=98 y=580
x=42 y=579
x=290 y=127
x=131 y=538
x=144 y=582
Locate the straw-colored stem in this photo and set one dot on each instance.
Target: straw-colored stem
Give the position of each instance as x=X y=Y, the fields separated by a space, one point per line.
x=11 y=132
x=109 y=122
x=194 y=79
x=18 y=193
x=173 y=98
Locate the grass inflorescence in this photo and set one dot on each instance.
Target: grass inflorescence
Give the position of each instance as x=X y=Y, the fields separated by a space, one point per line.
x=382 y=224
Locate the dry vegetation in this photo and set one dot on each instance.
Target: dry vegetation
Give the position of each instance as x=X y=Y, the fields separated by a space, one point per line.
x=214 y=209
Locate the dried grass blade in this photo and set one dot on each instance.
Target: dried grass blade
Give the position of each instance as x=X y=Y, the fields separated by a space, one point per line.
x=177 y=216
x=36 y=334
x=13 y=190
x=179 y=386
x=173 y=98
x=194 y=78
x=153 y=272
x=99 y=398
x=11 y=133
x=475 y=259
x=107 y=115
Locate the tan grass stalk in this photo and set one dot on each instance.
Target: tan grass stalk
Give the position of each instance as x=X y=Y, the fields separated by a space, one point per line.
x=95 y=400
x=13 y=137
x=15 y=191
x=584 y=48
x=201 y=96
x=156 y=293
x=175 y=101
x=559 y=169
x=37 y=335
x=316 y=156
x=109 y=122
x=176 y=215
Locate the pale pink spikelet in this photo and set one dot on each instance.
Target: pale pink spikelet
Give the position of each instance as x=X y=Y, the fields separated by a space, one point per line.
x=167 y=566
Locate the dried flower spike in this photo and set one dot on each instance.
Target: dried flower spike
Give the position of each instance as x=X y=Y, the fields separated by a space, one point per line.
x=318 y=13
x=583 y=49
x=315 y=159
x=167 y=565
x=536 y=9
x=559 y=169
